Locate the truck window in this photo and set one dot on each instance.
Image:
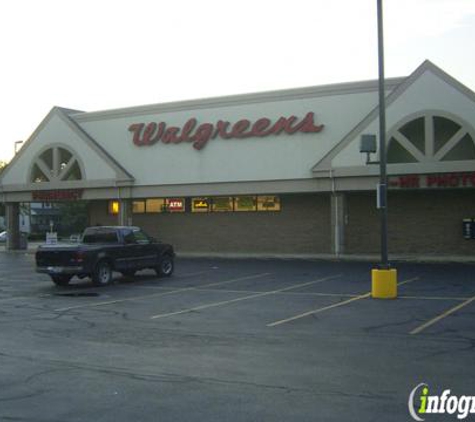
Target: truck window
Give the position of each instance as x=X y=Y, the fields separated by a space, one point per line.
x=103 y=235
x=128 y=236
x=141 y=237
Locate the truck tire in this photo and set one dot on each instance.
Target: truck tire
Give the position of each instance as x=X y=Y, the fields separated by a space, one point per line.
x=102 y=275
x=61 y=279
x=165 y=266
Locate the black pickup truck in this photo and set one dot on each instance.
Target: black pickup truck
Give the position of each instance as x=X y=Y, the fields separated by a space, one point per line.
x=105 y=249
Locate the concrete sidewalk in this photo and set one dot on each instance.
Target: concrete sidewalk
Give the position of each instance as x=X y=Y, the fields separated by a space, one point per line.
x=434 y=258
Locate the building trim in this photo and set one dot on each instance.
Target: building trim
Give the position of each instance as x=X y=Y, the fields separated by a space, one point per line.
x=399 y=169
x=233 y=188
x=242 y=99
x=72 y=184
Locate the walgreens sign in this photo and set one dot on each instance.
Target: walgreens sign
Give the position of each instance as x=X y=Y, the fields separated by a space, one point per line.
x=147 y=134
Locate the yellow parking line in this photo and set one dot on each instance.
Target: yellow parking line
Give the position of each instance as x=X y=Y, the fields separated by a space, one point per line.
x=442 y=316
x=316 y=311
x=239 y=299
x=111 y=302
x=193 y=274
x=209 y=305
x=410 y=280
x=283 y=293
x=460 y=299
x=326 y=308
x=9 y=299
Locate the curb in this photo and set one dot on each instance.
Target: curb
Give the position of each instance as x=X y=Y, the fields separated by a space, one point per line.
x=375 y=258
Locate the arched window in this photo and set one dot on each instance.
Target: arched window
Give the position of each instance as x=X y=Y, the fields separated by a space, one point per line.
x=56 y=164
x=431 y=138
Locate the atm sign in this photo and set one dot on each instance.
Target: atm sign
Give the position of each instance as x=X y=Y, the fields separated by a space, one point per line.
x=176 y=205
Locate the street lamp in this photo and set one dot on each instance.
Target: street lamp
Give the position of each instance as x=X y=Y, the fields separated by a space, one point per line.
x=383 y=278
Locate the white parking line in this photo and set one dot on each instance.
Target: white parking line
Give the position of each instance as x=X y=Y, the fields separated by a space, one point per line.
x=111 y=302
x=239 y=299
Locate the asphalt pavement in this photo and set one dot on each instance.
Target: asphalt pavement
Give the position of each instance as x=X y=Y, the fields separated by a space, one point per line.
x=233 y=340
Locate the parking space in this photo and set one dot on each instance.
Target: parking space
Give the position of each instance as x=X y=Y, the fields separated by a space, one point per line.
x=244 y=340
x=280 y=292
x=274 y=293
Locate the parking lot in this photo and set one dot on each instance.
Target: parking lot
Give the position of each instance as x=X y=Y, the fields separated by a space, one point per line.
x=233 y=340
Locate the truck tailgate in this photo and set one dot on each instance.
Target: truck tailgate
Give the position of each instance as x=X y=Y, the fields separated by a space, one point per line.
x=55 y=256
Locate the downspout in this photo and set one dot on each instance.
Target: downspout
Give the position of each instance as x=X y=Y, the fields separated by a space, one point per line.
x=119 y=222
x=125 y=210
x=336 y=228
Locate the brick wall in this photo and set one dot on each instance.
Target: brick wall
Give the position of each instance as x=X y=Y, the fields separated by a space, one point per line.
x=362 y=232
x=420 y=222
x=302 y=226
x=98 y=214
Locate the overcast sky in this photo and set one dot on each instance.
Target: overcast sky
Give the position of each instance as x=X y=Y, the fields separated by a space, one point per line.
x=101 y=54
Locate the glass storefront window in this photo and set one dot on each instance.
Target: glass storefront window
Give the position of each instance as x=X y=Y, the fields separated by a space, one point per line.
x=268 y=203
x=200 y=205
x=138 y=207
x=155 y=205
x=245 y=203
x=223 y=204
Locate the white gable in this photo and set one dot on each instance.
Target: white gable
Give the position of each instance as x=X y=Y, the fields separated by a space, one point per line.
x=428 y=92
x=57 y=131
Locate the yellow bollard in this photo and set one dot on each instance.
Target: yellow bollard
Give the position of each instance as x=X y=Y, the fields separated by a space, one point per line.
x=384 y=284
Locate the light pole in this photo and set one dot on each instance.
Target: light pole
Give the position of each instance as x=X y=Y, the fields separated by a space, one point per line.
x=382 y=188
x=384 y=278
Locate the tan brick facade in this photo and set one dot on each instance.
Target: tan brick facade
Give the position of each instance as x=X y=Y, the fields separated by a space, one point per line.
x=420 y=222
x=301 y=227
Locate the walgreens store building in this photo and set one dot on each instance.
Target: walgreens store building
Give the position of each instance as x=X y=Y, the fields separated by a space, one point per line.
x=275 y=173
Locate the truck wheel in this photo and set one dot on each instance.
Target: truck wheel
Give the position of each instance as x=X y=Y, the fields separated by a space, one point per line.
x=61 y=279
x=165 y=266
x=102 y=275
